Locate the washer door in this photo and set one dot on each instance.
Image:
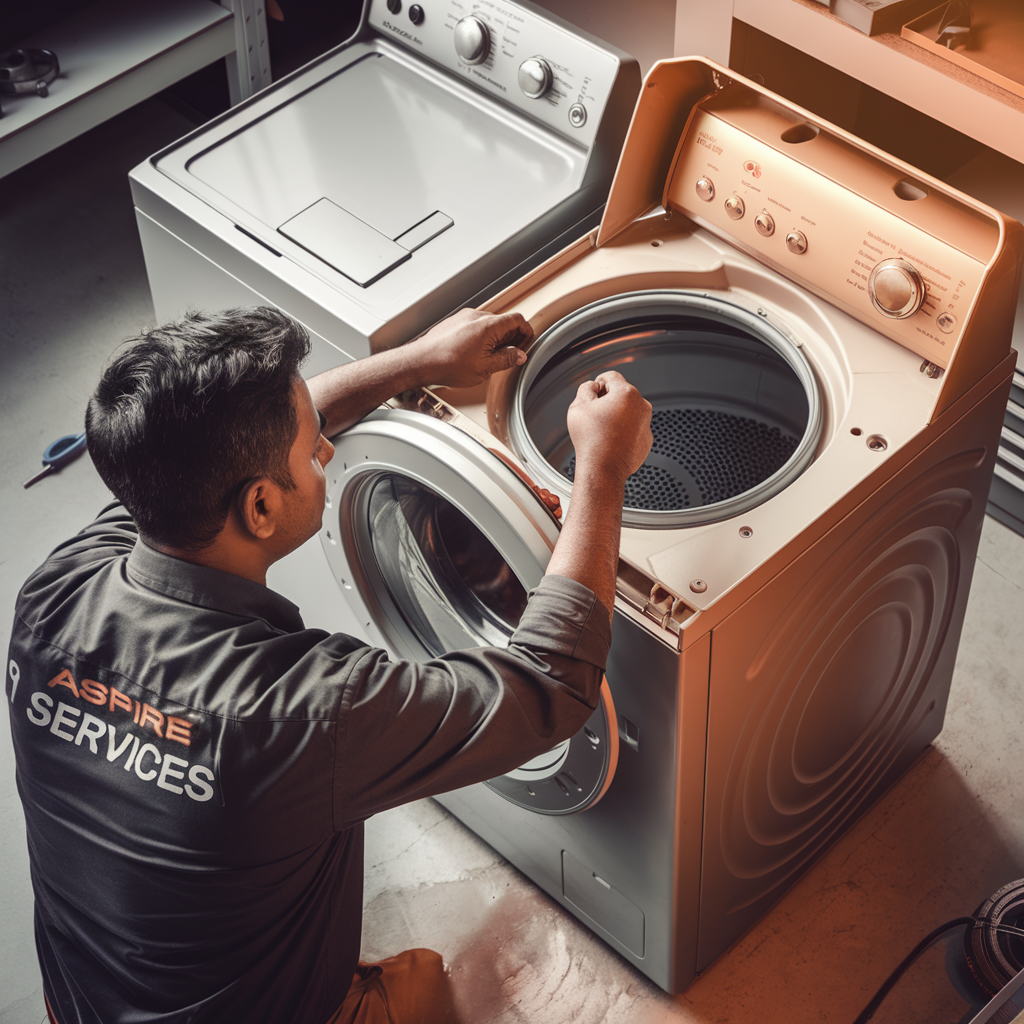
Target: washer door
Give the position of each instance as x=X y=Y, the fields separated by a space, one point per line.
x=436 y=543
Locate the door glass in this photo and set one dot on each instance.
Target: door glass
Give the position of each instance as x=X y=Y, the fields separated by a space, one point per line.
x=450 y=583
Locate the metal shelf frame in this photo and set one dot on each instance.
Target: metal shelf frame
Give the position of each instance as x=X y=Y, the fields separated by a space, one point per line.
x=116 y=53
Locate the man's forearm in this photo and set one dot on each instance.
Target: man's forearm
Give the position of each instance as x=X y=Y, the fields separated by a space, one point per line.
x=345 y=394
x=588 y=546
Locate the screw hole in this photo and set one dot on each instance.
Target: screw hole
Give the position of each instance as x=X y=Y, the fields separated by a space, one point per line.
x=657 y=242
x=856 y=431
x=698 y=586
x=877 y=443
x=746 y=531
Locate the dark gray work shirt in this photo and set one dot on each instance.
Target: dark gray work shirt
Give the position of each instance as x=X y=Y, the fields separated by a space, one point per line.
x=195 y=767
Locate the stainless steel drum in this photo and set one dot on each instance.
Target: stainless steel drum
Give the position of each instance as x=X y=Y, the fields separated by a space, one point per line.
x=737 y=413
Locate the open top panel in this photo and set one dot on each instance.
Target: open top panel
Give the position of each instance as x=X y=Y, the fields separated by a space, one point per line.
x=825 y=209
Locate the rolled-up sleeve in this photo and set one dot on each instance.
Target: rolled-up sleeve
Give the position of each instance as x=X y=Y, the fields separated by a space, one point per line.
x=564 y=617
x=415 y=729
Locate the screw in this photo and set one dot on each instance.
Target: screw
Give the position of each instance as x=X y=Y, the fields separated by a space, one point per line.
x=746 y=531
x=698 y=586
x=877 y=443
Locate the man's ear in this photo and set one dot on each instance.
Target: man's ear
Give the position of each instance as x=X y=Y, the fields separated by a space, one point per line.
x=259 y=506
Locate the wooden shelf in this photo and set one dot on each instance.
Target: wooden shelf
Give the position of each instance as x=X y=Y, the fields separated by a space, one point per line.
x=895 y=66
x=112 y=55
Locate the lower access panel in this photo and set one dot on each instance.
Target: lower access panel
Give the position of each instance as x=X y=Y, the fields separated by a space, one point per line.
x=590 y=893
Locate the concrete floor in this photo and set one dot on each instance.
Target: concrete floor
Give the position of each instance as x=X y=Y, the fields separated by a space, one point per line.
x=948 y=834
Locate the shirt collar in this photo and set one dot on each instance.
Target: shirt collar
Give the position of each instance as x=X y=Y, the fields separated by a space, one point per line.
x=211 y=588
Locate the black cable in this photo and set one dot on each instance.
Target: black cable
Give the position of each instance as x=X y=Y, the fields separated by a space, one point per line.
x=989 y=925
x=869 y=1011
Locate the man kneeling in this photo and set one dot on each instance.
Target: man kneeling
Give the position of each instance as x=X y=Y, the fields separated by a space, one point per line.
x=195 y=765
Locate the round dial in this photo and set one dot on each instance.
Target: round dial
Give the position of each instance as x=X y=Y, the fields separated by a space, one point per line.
x=472 y=40
x=896 y=289
x=535 y=77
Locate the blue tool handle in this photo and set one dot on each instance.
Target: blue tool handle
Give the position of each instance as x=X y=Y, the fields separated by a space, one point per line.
x=63 y=450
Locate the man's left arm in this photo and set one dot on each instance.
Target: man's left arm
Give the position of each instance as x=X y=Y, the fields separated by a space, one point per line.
x=459 y=352
x=415 y=729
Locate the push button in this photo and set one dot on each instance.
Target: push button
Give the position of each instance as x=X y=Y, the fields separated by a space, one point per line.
x=765 y=223
x=946 y=322
x=705 y=189
x=394 y=6
x=734 y=207
x=577 y=115
x=416 y=14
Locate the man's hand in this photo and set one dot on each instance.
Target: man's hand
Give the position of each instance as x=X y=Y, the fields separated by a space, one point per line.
x=459 y=352
x=610 y=425
x=466 y=348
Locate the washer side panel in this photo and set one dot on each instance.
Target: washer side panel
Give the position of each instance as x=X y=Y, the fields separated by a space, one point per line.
x=834 y=676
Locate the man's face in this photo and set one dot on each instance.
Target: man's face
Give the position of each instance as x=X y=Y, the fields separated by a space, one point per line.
x=310 y=453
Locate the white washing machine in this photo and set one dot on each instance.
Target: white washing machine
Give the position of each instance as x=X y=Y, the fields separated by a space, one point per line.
x=823 y=332
x=442 y=152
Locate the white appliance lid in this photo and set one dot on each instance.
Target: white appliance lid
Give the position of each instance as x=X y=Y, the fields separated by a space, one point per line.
x=382 y=146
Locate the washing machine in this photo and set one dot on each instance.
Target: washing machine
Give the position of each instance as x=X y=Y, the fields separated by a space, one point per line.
x=439 y=154
x=823 y=332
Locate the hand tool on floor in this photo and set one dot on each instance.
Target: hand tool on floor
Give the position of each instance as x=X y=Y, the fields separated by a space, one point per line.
x=64 y=450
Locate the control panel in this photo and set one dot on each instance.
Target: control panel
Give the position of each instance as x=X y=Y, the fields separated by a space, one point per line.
x=512 y=53
x=904 y=259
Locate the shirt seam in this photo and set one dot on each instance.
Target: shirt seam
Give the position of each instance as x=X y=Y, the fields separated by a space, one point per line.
x=159 y=586
x=146 y=689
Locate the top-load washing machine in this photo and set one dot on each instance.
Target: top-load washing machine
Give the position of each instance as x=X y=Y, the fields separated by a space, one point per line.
x=447 y=148
x=443 y=151
x=823 y=332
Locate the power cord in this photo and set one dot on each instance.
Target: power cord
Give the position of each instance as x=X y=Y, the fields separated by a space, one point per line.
x=992 y=956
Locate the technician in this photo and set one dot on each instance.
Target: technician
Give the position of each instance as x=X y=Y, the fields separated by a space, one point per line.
x=195 y=765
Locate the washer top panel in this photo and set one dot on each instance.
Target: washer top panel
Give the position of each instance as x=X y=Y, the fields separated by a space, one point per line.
x=380 y=141
x=580 y=74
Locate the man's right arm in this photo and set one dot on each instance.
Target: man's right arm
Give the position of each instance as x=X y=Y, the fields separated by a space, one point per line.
x=417 y=729
x=610 y=427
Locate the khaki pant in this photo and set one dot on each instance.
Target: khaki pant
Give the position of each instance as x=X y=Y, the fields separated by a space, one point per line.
x=410 y=988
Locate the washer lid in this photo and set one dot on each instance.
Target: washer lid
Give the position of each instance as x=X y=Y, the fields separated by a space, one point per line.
x=369 y=156
x=433 y=538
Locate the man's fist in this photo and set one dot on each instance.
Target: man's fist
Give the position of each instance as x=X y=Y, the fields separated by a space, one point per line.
x=610 y=425
x=467 y=347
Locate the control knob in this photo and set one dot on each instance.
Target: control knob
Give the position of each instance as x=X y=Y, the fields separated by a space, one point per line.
x=896 y=289
x=535 y=77
x=472 y=40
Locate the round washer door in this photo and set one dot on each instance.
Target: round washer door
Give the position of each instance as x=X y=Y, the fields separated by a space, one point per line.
x=435 y=543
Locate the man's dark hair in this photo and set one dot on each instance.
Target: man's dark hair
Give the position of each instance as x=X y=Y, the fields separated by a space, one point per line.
x=187 y=413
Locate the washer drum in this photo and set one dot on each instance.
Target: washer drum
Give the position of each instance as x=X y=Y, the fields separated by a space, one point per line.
x=737 y=413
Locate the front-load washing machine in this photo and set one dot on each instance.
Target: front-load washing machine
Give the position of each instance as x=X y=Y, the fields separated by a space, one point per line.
x=439 y=154
x=823 y=332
